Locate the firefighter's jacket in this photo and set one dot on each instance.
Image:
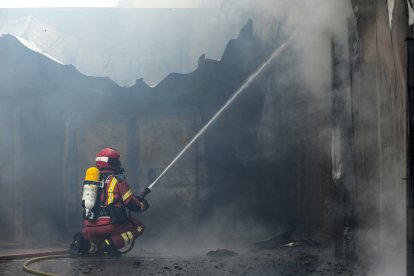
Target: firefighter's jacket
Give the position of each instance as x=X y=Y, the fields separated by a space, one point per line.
x=115 y=197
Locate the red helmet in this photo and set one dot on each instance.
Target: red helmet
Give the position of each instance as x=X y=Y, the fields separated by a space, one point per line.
x=108 y=159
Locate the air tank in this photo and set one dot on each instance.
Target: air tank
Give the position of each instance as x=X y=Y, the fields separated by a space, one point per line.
x=90 y=191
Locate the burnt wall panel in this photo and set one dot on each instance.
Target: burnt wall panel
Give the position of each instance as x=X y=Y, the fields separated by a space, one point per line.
x=160 y=139
x=378 y=95
x=315 y=181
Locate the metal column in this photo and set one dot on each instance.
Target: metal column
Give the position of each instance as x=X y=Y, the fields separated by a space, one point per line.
x=343 y=166
x=410 y=157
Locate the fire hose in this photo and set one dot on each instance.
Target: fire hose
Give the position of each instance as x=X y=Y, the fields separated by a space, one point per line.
x=38 y=272
x=35 y=257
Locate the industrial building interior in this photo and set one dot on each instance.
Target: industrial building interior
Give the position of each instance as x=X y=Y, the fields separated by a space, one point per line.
x=303 y=171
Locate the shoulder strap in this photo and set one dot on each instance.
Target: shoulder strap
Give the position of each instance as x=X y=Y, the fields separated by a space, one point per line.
x=111 y=188
x=102 y=190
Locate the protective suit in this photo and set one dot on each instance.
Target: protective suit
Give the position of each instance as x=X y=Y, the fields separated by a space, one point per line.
x=110 y=227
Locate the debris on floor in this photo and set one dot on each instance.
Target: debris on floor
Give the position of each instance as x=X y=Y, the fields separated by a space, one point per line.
x=273 y=242
x=295 y=260
x=220 y=253
x=295 y=243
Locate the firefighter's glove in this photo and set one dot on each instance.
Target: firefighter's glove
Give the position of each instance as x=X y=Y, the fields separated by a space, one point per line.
x=144 y=204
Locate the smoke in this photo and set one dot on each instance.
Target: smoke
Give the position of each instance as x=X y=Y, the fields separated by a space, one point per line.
x=264 y=167
x=92 y=40
x=315 y=32
x=125 y=44
x=252 y=187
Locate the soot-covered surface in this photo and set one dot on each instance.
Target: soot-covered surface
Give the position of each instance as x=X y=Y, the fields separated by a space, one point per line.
x=66 y=117
x=310 y=259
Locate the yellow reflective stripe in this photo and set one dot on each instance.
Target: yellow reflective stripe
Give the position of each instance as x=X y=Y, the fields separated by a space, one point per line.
x=127 y=195
x=130 y=235
x=111 y=190
x=125 y=237
x=107 y=242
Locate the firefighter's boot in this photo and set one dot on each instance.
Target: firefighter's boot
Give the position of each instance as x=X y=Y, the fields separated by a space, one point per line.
x=110 y=249
x=79 y=245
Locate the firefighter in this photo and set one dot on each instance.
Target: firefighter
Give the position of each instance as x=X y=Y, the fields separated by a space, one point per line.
x=107 y=228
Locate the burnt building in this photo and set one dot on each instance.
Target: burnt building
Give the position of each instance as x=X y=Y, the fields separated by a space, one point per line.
x=326 y=161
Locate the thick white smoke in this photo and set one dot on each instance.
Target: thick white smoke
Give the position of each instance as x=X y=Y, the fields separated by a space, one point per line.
x=127 y=44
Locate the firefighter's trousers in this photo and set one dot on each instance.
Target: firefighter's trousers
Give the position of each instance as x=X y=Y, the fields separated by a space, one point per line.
x=121 y=235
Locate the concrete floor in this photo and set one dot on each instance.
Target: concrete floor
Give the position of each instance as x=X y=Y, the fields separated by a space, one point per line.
x=297 y=260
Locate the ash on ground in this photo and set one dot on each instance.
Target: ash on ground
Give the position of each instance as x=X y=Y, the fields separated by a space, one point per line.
x=301 y=259
x=220 y=253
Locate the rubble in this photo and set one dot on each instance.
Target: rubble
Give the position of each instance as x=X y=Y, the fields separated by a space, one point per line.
x=297 y=260
x=220 y=253
x=274 y=242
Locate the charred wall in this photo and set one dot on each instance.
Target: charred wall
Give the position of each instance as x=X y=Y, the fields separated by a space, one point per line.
x=378 y=89
x=56 y=119
x=266 y=163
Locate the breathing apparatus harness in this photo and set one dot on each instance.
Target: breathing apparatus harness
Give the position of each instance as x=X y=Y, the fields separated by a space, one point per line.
x=95 y=195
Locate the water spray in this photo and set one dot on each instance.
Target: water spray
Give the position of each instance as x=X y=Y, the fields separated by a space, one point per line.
x=246 y=84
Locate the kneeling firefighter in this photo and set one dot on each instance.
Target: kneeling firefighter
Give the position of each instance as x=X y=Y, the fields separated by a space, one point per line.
x=106 y=198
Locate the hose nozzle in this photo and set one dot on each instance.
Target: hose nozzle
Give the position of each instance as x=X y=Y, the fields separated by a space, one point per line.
x=145 y=192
